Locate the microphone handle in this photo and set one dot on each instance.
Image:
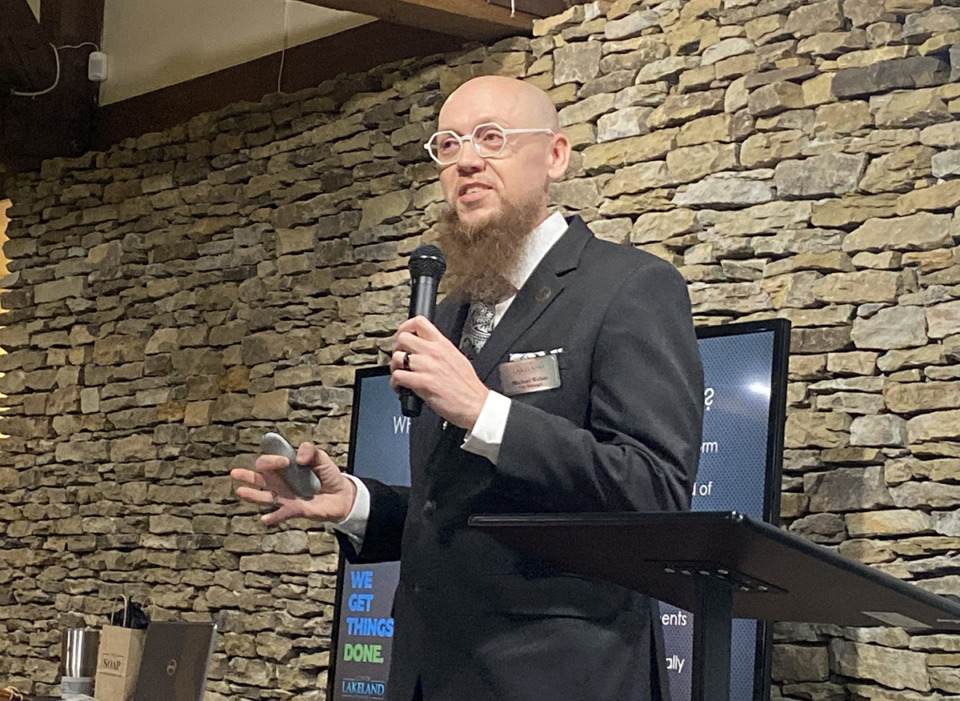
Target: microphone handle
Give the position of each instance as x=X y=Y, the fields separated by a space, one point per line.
x=423 y=297
x=410 y=404
x=423 y=302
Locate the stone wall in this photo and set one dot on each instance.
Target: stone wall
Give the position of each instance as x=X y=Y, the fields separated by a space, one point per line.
x=173 y=297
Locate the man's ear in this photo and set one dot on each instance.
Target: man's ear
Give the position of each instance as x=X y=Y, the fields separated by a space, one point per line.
x=559 y=156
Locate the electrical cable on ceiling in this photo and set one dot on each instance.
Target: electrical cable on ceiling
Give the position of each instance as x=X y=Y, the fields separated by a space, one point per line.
x=56 y=81
x=80 y=46
x=513 y=7
x=286 y=33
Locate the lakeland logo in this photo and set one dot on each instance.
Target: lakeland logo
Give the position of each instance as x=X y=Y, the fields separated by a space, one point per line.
x=363 y=688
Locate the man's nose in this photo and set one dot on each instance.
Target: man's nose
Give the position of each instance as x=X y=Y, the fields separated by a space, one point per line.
x=469 y=158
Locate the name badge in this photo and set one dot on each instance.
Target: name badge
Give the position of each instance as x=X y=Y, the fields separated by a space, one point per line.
x=529 y=375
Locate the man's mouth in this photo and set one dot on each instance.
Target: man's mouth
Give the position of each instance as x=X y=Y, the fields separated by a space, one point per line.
x=472 y=189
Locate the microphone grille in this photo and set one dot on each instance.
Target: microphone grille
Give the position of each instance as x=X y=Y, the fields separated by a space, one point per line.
x=427 y=261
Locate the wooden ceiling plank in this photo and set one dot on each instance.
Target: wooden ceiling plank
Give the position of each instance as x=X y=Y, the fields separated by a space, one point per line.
x=470 y=19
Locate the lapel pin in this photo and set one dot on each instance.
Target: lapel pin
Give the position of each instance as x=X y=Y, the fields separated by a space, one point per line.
x=543 y=294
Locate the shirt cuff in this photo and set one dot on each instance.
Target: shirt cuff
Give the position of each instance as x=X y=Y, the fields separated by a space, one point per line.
x=354 y=526
x=487 y=434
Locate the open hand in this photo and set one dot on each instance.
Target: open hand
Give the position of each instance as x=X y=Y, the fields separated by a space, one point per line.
x=265 y=485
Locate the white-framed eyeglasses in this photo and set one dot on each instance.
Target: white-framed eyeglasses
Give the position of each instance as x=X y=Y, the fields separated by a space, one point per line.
x=488 y=140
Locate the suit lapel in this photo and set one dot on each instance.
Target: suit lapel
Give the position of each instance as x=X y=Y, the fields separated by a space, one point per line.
x=544 y=285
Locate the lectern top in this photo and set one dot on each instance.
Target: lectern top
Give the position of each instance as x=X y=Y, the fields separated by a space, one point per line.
x=774 y=575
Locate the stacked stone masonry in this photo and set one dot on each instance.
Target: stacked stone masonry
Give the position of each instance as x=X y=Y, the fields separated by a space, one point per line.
x=173 y=297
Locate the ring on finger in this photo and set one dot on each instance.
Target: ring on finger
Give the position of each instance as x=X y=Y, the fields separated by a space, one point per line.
x=406 y=361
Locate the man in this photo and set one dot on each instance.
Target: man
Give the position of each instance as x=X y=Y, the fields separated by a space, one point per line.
x=619 y=431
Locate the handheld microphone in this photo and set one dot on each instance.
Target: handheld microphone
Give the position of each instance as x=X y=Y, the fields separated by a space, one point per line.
x=427 y=266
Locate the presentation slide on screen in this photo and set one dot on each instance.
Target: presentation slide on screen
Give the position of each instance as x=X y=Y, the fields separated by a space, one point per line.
x=731 y=476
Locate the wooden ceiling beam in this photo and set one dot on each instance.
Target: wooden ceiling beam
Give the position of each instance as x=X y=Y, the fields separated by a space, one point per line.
x=354 y=51
x=470 y=19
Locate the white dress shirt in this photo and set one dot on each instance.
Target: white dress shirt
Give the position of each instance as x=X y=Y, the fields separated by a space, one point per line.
x=487 y=433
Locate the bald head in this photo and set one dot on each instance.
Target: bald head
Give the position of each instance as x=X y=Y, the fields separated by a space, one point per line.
x=482 y=187
x=524 y=105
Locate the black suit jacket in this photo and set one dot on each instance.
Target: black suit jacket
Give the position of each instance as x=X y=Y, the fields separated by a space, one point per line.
x=476 y=620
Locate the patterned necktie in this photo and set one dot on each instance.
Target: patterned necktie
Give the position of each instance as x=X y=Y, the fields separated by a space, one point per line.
x=476 y=329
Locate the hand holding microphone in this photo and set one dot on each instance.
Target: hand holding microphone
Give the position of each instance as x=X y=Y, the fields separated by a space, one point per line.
x=426 y=365
x=427 y=266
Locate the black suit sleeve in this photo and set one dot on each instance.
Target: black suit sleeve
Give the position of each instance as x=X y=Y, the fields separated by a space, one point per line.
x=381 y=540
x=640 y=445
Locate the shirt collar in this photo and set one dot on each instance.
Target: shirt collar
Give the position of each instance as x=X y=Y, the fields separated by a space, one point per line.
x=540 y=240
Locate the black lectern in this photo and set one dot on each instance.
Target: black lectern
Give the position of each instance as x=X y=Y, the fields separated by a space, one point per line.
x=720 y=566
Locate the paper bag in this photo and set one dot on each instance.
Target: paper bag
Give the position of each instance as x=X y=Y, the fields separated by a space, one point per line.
x=118 y=663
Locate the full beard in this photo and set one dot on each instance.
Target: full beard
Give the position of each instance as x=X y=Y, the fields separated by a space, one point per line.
x=482 y=258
